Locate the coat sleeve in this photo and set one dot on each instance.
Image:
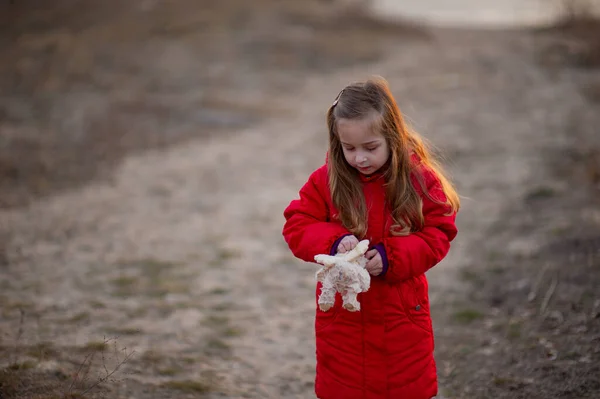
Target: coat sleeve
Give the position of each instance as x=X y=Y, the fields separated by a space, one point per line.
x=412 y=255
x=307 y=229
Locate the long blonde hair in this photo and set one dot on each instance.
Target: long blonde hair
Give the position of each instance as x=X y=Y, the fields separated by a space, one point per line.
x=358 y=101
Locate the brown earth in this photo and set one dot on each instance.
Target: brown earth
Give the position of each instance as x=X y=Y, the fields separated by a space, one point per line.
x=148 y=150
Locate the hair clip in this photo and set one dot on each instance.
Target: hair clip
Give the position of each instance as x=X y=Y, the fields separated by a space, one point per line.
x=337 y=99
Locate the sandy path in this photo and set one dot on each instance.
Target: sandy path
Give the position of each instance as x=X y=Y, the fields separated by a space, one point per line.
x=181 y=254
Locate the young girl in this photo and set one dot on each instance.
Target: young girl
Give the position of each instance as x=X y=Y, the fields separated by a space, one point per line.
x=380 y=183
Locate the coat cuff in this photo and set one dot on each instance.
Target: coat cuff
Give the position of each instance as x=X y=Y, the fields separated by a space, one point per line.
x=384 y=260
x=333 y=249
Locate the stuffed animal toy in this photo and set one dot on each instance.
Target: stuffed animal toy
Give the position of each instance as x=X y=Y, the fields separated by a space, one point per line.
x=344 y=273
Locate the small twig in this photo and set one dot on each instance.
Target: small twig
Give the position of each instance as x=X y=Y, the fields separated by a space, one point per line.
x=104 y=361
x=548 y=295
x=81 y=376
x=76 y=375
x=19 y=335
x=533 y=293
x=105 y=378
x=86 y=374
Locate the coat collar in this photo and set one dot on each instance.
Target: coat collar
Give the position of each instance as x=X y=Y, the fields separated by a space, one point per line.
x=372 y=177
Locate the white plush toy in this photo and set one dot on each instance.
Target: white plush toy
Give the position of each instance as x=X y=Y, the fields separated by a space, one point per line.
x=344 y=273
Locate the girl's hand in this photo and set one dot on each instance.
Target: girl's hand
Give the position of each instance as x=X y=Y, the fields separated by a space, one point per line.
x=347 y=244
x=375 y=264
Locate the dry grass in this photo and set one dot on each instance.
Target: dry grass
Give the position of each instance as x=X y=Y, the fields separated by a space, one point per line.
x=19 y=384
x=586 y=30
x=43 y=371
x=189 y=386
x=63 y=121
x=579 y=34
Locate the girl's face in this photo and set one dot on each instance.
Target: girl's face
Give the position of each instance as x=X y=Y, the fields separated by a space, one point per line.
x=365 y=150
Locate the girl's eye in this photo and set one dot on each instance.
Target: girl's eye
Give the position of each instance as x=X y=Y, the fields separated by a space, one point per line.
x=349 y=148
x=371 y=148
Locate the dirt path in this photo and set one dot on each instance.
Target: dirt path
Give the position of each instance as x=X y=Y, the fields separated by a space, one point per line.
x=180 y=254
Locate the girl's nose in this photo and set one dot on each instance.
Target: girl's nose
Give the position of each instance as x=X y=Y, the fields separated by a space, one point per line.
x=360 y=159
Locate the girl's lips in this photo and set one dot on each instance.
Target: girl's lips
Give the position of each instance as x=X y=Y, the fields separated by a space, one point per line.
x=364 y=169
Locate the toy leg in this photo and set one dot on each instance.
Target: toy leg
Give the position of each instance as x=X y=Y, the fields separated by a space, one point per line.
x=327 y=297
x=350 y=302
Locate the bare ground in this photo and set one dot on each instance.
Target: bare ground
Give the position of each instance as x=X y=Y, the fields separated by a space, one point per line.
x=176 y=250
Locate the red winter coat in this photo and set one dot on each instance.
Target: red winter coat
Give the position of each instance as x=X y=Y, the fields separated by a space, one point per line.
x=385 y=350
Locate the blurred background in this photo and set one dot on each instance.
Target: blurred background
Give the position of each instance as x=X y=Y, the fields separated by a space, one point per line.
x=149 y=147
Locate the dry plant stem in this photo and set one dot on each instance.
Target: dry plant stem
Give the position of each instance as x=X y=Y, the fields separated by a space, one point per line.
x=87 y=363
x=86 y=374
x=104 y=362
x=19 y=335
x=548 y=295
x=533 y=293
x=89 y=356
x=111 y=373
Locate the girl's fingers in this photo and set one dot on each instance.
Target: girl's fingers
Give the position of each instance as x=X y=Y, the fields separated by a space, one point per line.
x=374 y=266
x=374 y=270
x=345 y=246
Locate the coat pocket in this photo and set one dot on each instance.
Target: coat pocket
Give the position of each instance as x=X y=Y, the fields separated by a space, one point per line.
x=415 y=300
x=326 y=319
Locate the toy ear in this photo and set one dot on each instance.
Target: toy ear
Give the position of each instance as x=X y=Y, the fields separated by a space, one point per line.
x=358 y=251
x=326 y=260
x=363 y=246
